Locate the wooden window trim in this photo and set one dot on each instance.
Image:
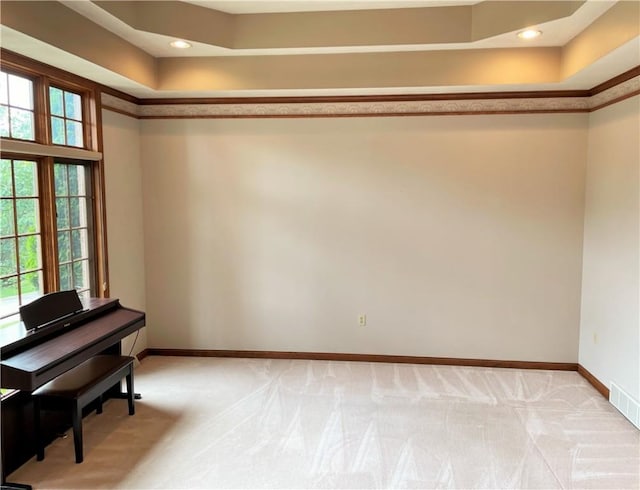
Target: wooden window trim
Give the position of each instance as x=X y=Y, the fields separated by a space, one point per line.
x=43 y=76
x=23 y=147
x=91 y=224
x=40 y=232
x=48 y=224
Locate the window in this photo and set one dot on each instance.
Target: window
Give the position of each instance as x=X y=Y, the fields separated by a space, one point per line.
x=73 y=211
x=16 y=107
x=20 y=236
x=51 y=197
x=66 y=117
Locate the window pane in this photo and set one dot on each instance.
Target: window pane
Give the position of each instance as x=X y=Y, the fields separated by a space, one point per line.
x=26 y=178
x=57 y=131
x=78 y=209
x=9 y=295
x=81 y=274
x=62 y=210
x=20 y=92
x=31 y=286
x=4 y=121
x=79 y=248
x=27 y=211
x=65 y=277
x=74 y=133
x=55 y=98
x=8 y=262
x=73 y=220
x=7 y=227
x=74 y=245
x=73 y=106
x=64 y=247
x=73 y=179
x=74 y=212
x=6 y=184
x=4 y=95
x=21 y=124
x=29 y=252
x=78 y=179
x=60 y=172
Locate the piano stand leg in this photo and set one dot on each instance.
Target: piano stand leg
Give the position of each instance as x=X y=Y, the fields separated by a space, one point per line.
x=15 y=486
x=124 y=396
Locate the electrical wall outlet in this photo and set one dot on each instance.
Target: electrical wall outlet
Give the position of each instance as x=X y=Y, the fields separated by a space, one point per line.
x=362 y=320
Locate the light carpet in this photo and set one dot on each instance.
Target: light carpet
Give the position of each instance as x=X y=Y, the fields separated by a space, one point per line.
x=255 y=423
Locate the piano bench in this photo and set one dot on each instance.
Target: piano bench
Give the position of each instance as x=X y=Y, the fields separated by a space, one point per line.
x=80 y=386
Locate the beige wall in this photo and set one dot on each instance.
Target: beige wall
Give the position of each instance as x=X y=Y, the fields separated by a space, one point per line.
x=610 y=321
x=458 y=236
x=124 y=215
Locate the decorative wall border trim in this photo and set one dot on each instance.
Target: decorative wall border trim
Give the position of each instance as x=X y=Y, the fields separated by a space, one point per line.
x=330 y=356
x=360 y=109
x=573 y=101
x=120 y=105
x=617 y=80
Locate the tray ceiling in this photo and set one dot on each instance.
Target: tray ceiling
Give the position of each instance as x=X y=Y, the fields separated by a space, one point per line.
x=327 y=47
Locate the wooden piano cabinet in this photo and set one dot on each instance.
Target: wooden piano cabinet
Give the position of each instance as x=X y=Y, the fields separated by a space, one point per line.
x=18 y=432
x=31 y=359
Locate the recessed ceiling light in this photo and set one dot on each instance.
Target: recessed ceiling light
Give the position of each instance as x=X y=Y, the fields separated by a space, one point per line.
x=529 y=34
x=180 y=44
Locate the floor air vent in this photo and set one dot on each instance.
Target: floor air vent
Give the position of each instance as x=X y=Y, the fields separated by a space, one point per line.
x=629 y=407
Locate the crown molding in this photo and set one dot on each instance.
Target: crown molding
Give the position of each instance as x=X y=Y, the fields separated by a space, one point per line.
x=121 y=95
x=617 y=80
x=615 y=93
x=618 y=88
x=333 y=99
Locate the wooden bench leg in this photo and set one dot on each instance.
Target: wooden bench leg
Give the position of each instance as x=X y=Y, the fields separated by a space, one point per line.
x=38 y=429
x=130 y=393
x=79 y=389
x=77 y=430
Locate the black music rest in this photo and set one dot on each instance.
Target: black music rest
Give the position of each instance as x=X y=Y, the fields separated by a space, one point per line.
x=50 y=308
